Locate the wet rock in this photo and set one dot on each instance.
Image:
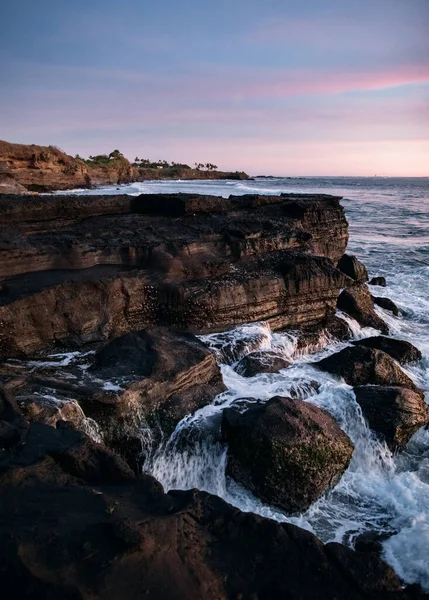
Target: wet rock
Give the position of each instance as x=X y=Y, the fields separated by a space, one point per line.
x=359 y=365
x=402 y=351
x=287 y=452
x=261 y=362
x=387 y=304
x=351 y=266
x=381 y=281
x=50 y=411
x=371 y=542
x=395 y=413
x=160 y=376
x=231 y=346
x=313 y=338
x=357 y=302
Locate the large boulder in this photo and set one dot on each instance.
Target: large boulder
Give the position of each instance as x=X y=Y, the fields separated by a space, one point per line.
x=402 y=351
x=395 y=413
x=157 y=374
x=357 y=302
x=352 y=267
x=287 y=452
x=261 y=362
x=359 y=365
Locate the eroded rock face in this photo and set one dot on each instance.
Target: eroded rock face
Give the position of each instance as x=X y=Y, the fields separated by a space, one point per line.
x=287 y=452
x=352 y=267
x=77 y=270
x=261 y=362
x=400 y=350
x=395 y=413
x=357 y=302
x=359 y=365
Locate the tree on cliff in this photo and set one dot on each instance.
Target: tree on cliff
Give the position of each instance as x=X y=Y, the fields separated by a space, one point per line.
x=116 y=154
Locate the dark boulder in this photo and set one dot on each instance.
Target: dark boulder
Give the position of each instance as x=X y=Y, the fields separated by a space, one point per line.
x=352 y=267
x=359 y=365
x=387 y=304
x=357 y=302
x=287 y=452
x=380 y=281
x=261 y=362
x=400 y=350
x=395 y=413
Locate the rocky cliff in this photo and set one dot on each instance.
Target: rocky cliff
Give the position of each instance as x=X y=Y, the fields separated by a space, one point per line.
x=47 y=169
x=76 y=270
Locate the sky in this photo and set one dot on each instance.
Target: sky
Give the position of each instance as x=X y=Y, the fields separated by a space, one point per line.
x=281 y=87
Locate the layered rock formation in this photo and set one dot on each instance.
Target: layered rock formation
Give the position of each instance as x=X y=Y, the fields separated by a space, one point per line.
x=83 y=269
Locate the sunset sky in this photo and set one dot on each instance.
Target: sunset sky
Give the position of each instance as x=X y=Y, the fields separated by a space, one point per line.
x=304 y=87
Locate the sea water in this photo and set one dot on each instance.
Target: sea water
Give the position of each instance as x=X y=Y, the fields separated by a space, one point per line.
x=389 y=232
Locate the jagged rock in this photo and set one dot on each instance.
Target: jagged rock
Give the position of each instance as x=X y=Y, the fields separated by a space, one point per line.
x=78 y=270
x=394 y=412
x=287 y=452
x=387 y=304
x=400 y=350
x=357 y=302
x=351 y=266
x=261 y=362
x=359 y=365
x=381 y=281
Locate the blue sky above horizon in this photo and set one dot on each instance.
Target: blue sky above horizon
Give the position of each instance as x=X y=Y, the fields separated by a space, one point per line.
x=280 y=87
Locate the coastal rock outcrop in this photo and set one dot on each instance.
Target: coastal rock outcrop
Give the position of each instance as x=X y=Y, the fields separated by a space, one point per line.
x=82 y=269
x=287 y=452
x=87 y=527
x=351 y=266
x=144 y=381
x=357 y=302
x=261 y=362
x=380 y=281
x=387 y=304
x=395 y=413
x=402 y=351
x=359 y=365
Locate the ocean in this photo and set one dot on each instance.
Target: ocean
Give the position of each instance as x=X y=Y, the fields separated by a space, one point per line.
x=381 y=492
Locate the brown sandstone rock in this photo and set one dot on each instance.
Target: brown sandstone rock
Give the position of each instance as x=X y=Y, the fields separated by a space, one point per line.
x=352 y=267
x=359 y=365
x=400 y=350
x=394 y=412
x=357 y=302
x=261 y=362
